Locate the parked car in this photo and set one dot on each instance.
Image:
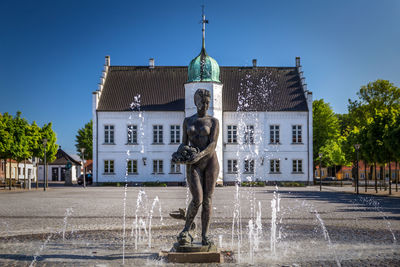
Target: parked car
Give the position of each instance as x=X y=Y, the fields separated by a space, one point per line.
x=89 y=179
x=329 y=179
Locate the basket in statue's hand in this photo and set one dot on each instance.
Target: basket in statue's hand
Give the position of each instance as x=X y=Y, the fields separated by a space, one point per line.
x=185 y=154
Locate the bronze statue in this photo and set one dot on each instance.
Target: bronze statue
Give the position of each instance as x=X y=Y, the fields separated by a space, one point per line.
x=197 y=151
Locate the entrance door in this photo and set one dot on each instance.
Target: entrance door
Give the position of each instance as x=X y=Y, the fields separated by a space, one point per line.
x=54 y=174
x=63 y=171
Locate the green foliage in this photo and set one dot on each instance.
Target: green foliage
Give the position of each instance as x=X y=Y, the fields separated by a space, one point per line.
x=154 y=184
x=51 y=147
x=253 y=184
x=84 y=139
x=292 y=184
x=20 y=147
x=325 y=126
x=6 y=135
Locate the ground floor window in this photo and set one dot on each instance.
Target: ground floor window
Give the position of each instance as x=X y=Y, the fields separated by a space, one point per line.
x=158 y=166
x=175 y=168
x=274 y=166
x=232 y=166
x=249 y=166
x=132 y=166
x=108 y=166
x=297 y=165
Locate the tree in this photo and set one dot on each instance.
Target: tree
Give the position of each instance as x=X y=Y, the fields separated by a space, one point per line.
x=35 y=144
x=84 y=139
x=373 y=96
x=325 y=126
x=6 y=140
x=20 y=147
x=52 y=147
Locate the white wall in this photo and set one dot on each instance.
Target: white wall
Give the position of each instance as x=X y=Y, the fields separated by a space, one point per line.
x=262 y=151
x=121 y=151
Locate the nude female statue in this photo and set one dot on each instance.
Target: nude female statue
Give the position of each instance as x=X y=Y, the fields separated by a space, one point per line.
x=200 y=131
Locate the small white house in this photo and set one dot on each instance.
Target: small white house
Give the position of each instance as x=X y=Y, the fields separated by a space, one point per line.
x=56 y=170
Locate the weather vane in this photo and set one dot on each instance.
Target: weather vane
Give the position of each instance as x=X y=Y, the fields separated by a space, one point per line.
x=204 y=21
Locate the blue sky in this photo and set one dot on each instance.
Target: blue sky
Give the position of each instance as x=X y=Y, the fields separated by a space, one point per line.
x=52 y=52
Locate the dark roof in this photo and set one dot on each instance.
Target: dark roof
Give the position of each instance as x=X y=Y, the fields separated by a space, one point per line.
x=162 y=88
x=63 y=158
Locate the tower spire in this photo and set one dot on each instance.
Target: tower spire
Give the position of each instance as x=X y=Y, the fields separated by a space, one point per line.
x=203 y=21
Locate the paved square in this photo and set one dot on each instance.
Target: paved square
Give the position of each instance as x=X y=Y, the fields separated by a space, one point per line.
x=77 y=226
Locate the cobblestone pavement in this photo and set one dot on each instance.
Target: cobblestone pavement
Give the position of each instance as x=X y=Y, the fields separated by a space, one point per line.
x=73 y=226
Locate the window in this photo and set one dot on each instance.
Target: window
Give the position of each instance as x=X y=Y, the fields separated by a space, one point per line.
x=232 y=134
x=175 y=168
x=249 y=134
x=232 y=166
x=132 y=134
x=274 y=134
x=393 y=175
x=108 y=134
x=249 y=166
x=316 y=173
x=108 y=166
x=297 y=165
x=157 y=134
x=132 y=166
x=19 y=171
x=175 y=134
x=346 y=175
x=362 y=176
x=274 y=166
x=29 y=173
x=158 y=166
x=296 y=134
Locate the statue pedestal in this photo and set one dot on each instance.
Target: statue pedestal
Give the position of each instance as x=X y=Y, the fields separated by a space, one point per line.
x=68 y=177
x=195 y=253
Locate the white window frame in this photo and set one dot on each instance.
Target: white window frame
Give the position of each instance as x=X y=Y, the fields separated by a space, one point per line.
x=275 y=166
x=131 y=130
x=274 y=134
x=132 y=164
x=109 y=166
x=249 y=166
x=249 y=134
x=232 y=165
x=158 y=134
x=109 y=134
x=175 y=131
x=175 y=168
x=158 y=166
x=297 y=132
x=231 y=134
x=298 y=168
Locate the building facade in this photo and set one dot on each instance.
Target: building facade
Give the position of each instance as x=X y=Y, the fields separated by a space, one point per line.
x=264 y=113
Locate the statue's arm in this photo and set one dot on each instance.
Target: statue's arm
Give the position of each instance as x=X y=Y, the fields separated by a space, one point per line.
x=214 y=132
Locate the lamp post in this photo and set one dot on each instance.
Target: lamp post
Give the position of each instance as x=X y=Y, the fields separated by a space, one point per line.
x=84 y=169
x=320 y=171
x=45 y=167
x=357 y=147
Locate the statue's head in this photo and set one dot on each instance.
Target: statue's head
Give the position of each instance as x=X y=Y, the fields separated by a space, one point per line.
x=202 y=99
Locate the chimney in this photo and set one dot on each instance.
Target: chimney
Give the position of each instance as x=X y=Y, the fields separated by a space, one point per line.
x=151 y=63
x=107 y=63
x=298 y=62
x=254 y=63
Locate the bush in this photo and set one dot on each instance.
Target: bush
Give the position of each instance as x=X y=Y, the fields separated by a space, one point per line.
x=117 y=184
x=253 y=184
x=292 y=184
x=154 y=184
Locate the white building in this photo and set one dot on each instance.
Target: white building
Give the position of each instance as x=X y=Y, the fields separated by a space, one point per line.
x=56 y=170
x=265 y=116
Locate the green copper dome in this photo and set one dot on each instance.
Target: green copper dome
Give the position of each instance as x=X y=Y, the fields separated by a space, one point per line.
x=203 y=68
